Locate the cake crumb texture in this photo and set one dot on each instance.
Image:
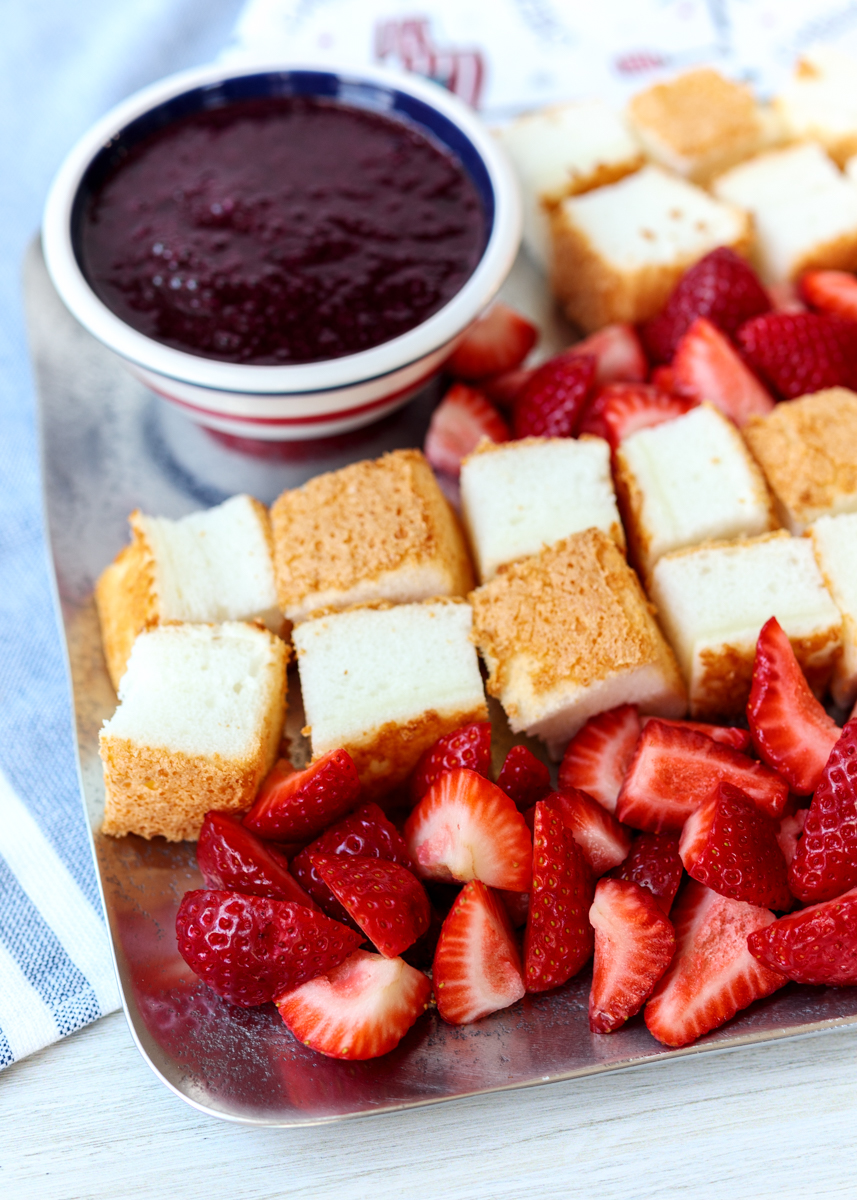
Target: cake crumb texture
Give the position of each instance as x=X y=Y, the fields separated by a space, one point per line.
x=126 y=600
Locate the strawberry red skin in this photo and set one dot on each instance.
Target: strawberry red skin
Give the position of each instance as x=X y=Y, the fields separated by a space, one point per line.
x=559 y=939
x=295 y=805
x=707 y=366
x=604 y=841
x=503 y=390
x=653 y=862
x=366 y=832
x=621 y=409
x=249 y=949
x=469 y=746
x=825 y=862
x=598 y=755
x=618 y=352
x=801 y=352
x=674 y=769
x=553 y=400
x=728 y=735
x=499 y=341
x=477 y=967
x=634 y=944
x=816 y=945
x=232 y=859
x=721 y=287
x=831 y=292
x=791 y=731
x=524 y=778
x=732 y=848
x=386 y=900
x=712 y=975
x=458 y=424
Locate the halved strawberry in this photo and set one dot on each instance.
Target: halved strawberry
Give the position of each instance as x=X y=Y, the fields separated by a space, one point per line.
x=232 y=859
x=604 y=842
x=598 y=755
x=469 y=746
x=816 y=945
x=674 y=769
x=707 y=367
x=503 y=390
x=477 y=968
x=788 y=833
x=524 y=778
x=727 y=735
x=618 y=353
x=732 y=848
x=558 y=940
x=553 y=400
x=466 y=828
x=791 y=731
x=634 y=945
x=248 y=949
x=499 y=341
x=360 y=1009
x=621 y=409
x=833 y=292
x=801 y=352
x=294 y=805
x=386 y=900
x=458 y=424
x=712 y=975
x=653 y=863
x=366 y=832
x=825 y=862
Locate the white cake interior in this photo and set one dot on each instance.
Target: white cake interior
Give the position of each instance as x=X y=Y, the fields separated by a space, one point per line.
x=526 y=495
x=367 y=667
x=834 y=540
x=199 y=689
x=820 y=100
x=777 y=176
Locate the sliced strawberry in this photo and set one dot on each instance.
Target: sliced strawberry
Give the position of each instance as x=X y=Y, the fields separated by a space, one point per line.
x=366 y=832
x=825 y=862
x=722 y=287
x=707 y=367
x=598 y=755
x=466 y=828
x=791 y=731
x=388 y=902
x=653 y=863
x=232 y=859
x=499 y=341
x=664 y=379
x=727 y=735
x=789 y=831
x=816 y=945
x=558 y=940
x=832 y=292
x=801 y=352
x=712 y=975
x=524 y=778
x=674 y=769
x=634 y=944
x=553 y=400
x=618 y=353
x=459 y=423
x=477 y=968
x=360 y=1009
x=732 y=848
x=785 y=297
x=604 y=842
x=249 y=949
x=503 y=390
x=295 y=805
x=621 y=409
x=469 y=746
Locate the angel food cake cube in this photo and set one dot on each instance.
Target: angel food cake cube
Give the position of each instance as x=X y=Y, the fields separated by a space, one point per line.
x=820 y=101
x=713 y=601
x=518 y=497
x=807 y=449
x=374 y=531
x=211 y=566
x=385 y=683
x=199 y=723
x=568 y=633
x=687 y=481
x=834 y=540
x=618 y=251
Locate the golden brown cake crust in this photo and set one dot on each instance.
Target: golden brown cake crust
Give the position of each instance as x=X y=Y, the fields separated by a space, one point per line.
x=576 y=611
x=347 y=527
x=807 y=449
x=126 y=599
x=698 y=114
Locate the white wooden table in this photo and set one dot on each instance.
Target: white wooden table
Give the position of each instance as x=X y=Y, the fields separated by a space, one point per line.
x=87 y=1120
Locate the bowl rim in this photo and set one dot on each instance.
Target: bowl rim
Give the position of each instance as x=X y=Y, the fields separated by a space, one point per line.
x=436 y=331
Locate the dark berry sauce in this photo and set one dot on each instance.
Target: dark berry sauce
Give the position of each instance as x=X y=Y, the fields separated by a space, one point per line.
x=282 y=230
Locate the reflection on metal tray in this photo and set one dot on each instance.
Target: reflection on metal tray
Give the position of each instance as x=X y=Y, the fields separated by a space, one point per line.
x=110 y=446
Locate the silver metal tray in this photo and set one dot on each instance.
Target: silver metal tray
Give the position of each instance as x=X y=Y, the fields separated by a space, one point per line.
x=109 y=446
